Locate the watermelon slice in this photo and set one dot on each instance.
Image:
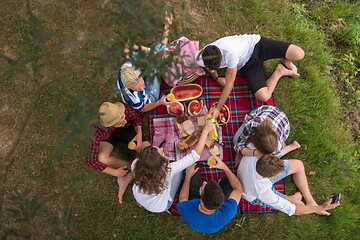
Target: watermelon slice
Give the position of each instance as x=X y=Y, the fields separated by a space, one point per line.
x=195 y=107
x=176 y=108
x=187 y=92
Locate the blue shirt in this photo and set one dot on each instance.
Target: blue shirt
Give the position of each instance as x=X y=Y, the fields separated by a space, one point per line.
x=136 y=99
x=200 y=222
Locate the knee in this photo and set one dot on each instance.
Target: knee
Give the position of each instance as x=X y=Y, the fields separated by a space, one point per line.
x=263 y=96
x=295 y=53
x=104 y=158
x=299 y=165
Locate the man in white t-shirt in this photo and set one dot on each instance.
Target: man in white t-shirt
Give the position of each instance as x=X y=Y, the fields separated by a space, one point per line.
x=257 y=177
x=248 y=53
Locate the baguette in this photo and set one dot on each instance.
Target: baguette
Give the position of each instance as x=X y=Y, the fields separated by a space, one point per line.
x=190 y=140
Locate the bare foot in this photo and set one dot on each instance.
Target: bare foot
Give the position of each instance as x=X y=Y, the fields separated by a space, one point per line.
x=294 y=145
x=286 y=72
x=122 y=188
x=139 y=205
x=296 y=198
x=319 y=213
x=289 y=65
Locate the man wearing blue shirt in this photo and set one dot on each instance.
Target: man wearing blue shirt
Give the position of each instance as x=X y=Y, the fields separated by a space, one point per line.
x=212 y=205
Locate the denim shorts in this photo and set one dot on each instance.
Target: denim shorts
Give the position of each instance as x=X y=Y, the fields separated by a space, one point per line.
x=273 y=181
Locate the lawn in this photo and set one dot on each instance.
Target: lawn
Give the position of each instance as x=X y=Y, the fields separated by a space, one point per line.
x=52 y=83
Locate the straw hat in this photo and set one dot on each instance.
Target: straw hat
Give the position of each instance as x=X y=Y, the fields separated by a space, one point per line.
x=129 y=76
x=111 y=113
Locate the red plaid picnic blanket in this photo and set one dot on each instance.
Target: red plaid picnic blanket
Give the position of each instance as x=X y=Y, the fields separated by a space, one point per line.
x=240 y=103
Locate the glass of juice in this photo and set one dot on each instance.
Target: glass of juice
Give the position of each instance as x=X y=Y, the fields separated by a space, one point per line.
x=212 y=161
x=132 y=145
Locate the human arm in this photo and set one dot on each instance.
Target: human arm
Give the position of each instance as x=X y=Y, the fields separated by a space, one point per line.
x=229 y=83
x=116 y=172
x=138 y=138
x=168 y=22
x=184 y=193
x=234 y=181
x=151 y=106
x=306 y=209
x=201 y=143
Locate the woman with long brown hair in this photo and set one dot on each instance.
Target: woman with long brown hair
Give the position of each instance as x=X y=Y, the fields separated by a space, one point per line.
x=156 y=179
x=267 y=128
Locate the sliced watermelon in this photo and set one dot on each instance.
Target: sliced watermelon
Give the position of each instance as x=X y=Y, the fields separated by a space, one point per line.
x=195 y=107
x=187 y=92
x=176 y=108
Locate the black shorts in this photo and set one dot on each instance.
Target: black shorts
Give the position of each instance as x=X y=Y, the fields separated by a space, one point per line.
x=122 y=134
x=253 y=70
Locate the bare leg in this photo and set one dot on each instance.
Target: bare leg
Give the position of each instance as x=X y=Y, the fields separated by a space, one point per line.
x=263 y=94
x=292 y=54
x=299 y=177
x=105 y=150
x=123 y=182
x=288 y=148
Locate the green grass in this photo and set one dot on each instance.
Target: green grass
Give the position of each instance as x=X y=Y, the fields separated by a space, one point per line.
x=310 y=102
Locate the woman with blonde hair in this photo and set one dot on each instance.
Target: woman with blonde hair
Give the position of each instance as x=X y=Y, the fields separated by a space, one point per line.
x=267 y=127
x=156 y=179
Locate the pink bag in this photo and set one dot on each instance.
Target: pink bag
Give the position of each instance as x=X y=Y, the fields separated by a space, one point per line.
x=188 y=49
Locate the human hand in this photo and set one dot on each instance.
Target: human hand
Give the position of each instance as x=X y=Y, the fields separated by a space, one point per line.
x=327 y=205
x=208 y=126
x=258 y=154
x=164 y=102
x=238 y=158
x=220 y=164
x=138 y=140
x=168 y=17
x=120 y=172
x=191 y=170
x=215 y=113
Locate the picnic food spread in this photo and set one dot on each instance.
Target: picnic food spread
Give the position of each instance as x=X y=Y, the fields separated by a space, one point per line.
x=190 y=140
x=187 y=92
x=176 y=108
x=195 y=107
x=224 y=115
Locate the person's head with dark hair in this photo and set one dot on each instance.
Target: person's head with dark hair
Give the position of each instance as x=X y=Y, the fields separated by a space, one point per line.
x=212 y=57
x=264 y=138
x=212 y=196
x=151 y=170
x=269 y=166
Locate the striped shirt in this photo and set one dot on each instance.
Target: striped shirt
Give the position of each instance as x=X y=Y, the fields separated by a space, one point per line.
x=278 y=120
x=136 y=99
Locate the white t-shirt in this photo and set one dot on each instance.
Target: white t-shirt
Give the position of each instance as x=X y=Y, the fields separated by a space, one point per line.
x=235 y=50
x=257 y=187
x=158 y=203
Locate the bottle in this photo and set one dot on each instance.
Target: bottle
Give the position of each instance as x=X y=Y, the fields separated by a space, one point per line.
x=213 y=134
x=170 y=97
x=132 y=145
x=211 y=161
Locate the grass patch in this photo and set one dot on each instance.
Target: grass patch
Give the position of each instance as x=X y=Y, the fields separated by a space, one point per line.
x=90 y=199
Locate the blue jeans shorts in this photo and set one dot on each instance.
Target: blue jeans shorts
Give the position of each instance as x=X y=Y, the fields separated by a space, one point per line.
x=273 y=181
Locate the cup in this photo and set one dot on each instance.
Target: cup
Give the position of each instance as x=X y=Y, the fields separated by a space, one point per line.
x=170 y=97
x=211 y=162
x=132 y=145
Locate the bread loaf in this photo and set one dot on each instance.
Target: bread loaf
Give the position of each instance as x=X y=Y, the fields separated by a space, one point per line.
x=190 y=140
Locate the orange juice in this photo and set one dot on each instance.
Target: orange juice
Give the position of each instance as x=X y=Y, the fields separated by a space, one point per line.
x=211 y=162
x=170 y=97
x=132 y=145
x=213 y=134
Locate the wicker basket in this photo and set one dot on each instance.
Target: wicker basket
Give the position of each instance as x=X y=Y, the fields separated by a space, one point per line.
x=227 y=109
